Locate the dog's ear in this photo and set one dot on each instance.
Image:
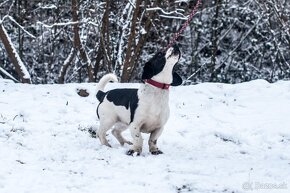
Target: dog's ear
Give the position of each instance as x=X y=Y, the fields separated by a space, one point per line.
x=177 y=80
x=148 y=71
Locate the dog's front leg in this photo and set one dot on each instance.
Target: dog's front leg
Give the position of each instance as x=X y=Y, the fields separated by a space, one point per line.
x=153 y=141
x=137 y=139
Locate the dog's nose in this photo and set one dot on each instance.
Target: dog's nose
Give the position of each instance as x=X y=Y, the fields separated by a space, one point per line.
x=176 y=50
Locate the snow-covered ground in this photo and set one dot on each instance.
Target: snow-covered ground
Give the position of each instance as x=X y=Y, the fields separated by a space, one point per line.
x=219 y=138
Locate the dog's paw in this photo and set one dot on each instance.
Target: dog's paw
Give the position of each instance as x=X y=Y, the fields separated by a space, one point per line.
x=156 y=152
x=131 y=152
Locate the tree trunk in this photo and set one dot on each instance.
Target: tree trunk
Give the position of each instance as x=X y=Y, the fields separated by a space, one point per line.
x=77 y=42
x=104 y=52
x=14 y=57
x=106 y=37
x=142 y=41
x=131 y=60
x=127 y=68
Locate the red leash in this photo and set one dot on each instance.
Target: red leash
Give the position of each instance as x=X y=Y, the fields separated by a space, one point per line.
x=176 y=35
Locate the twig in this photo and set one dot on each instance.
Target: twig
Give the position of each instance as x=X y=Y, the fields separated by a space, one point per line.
x=21 y=27
x=8 y=75
x=132 y=4
x=12 y=3
x=173 y=17
x=15 y=117
x=1 y=4
x=167 y=13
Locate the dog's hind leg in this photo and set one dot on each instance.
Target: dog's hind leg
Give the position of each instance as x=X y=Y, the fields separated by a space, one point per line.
x=117 y=132
x=153 y=141
x=104 y=127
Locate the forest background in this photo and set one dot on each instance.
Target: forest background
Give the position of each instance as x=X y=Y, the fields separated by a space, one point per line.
x=62 y=41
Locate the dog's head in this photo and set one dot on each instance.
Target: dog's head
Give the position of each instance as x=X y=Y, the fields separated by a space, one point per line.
x=160 y=67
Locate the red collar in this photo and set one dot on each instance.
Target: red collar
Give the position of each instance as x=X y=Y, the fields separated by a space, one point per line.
x=157 y=84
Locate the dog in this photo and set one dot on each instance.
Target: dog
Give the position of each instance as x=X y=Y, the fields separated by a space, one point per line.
x=143 y=110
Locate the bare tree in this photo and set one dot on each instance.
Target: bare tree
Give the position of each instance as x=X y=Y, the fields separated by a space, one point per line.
x=134 y=50
x=104 y=52
x=131 y=40
x=77 y=45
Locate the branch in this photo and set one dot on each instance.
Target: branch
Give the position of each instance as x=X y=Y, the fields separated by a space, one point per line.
x=132 y=4
x=59 y=24
x=173 y=17
x=166 y=14
x=13 y=56
x=65 y=65
x=1 y=4
x=49 y=7
x=8 y=75
x=20 y=26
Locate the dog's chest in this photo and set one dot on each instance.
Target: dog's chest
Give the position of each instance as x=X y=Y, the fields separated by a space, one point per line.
x=154 y=107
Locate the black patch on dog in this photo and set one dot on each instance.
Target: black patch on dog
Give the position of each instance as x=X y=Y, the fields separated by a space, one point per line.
x=177 y=80
x=154 y=66
x=101 y=95
x=176 y=51
x=126 y=97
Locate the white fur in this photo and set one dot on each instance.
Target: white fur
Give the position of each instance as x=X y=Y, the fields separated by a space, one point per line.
x=150 y=116
x=105 y=79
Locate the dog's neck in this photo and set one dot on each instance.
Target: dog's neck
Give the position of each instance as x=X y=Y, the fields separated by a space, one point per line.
x=165 y=76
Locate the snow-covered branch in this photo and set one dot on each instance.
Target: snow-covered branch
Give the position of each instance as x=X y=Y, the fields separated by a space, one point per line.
x=20 y=26
x=13 y=55
x=49 y=7
x=8 y=75
x=3 y=3
x=170 y=14
x=173 y=17
x=58 y=24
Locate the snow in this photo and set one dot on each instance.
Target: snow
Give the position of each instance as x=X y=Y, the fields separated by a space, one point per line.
x=219 y=138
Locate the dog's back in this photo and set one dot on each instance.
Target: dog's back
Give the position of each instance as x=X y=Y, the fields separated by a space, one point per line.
x=126 y=97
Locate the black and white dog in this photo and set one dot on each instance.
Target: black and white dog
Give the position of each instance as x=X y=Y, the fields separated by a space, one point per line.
x=143 y=110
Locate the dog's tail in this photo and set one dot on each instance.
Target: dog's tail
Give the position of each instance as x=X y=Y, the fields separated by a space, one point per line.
x=102 y=83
